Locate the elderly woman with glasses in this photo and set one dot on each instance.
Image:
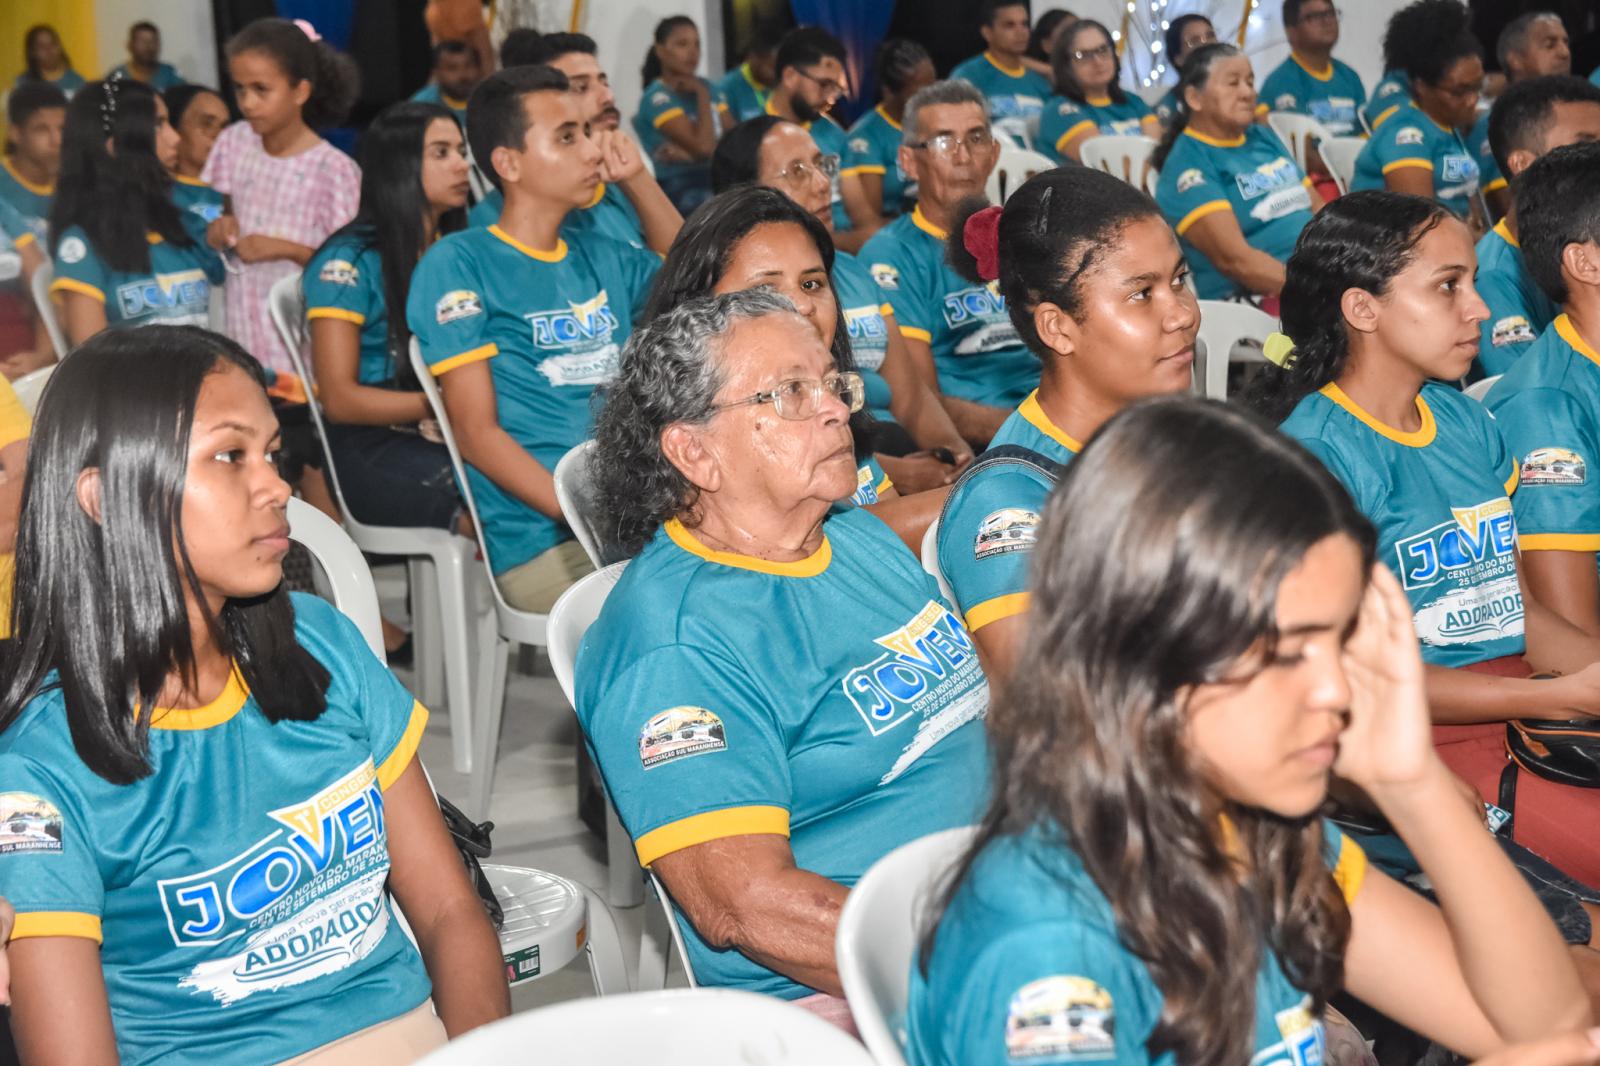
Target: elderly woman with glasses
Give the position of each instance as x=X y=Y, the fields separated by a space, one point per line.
x=777 y=698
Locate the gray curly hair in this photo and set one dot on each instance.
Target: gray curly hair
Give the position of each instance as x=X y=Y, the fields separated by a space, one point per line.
x=671 y=371
x=949 y=91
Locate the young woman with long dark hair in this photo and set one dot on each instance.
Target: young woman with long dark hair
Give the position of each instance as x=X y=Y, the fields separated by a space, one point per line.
x=1088 y=100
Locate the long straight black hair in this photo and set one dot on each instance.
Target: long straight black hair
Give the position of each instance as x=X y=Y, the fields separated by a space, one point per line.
x=393 y=204
x=102 y=604
x=1159 y=561
x=118 y=195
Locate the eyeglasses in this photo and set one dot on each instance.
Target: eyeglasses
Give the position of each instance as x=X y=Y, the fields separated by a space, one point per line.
x=1461 y=92
x=1099 y=52
x=946 y=143
x=1327 y=14
x=798 y=398
x=830 y=88
x=800 y=172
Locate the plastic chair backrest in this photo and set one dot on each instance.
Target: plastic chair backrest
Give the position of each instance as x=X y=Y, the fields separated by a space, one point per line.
x=571 y=618
x=1299 y=133
x=40 y=288
x=1222 y=325
x=30 y=386
x=1015 y=166
x=878 y=932
x=930 y=563
x=344 y=567
x=575 y=494
x=1122 y=157
x=1340 y=154
x=1479 y=390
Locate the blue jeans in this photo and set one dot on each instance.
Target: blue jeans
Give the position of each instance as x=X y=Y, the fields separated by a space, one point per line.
x=392 y=478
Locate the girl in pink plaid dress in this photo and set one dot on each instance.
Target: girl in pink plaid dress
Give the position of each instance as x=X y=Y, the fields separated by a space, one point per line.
x=287 y=188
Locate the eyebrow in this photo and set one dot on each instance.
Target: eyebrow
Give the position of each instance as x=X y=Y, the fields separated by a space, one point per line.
x=1142 y=279
x=1306 y=628
x=1450 y=268
x=247 y=430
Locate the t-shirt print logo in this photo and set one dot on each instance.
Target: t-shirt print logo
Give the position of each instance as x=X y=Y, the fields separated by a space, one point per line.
x=679 y=733
x=28 y=823
x=456 y=305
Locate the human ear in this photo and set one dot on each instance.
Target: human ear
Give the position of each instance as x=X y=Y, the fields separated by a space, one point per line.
x=88 y=492
x=1361 y=310
x=1057 y=329
x=1580 y=262
x=683 y=448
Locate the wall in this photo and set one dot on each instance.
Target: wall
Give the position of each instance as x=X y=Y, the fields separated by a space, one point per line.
x=187 y=35
x=623 y=28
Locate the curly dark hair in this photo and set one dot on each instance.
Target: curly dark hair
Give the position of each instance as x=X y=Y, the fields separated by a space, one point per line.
x=335 y=79
x=1425 y=39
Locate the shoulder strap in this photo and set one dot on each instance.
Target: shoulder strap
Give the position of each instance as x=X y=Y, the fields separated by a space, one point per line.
x=1004 y=455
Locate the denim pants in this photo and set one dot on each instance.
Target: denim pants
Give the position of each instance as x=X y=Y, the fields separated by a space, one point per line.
x=392 y=478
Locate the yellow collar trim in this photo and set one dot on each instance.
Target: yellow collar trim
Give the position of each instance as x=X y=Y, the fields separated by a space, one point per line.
x=885 y=116
x=229 y=702
x=184 y=179
x=152 y=237
x=1325 y=74
x=810 y=566
x=1033 y=413
x=555 y=255
x=1505 y=234
x=451 y=102
x=920 y=220
x=1569 y=333
x=1010 y=72
x=1097 y=101
x=599 y=194
x=1213 y=141
x=750 y=76
x=1421 y=438
x=37 y=190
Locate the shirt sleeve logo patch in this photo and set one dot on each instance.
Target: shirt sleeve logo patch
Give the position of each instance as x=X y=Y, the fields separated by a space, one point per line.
x=72 y=250
x=1189 y=179
x=1408 y=135
x=453 y=306
x=1010 y=529
x=679 y=733
x=1063 y=1018
x=1285 y=102
x=1513 y=329
x=886 y=276
x=339 y=272
x=1553 y=466
x=859 y=144
x=10 y=266
x=28 y=823
x=661 y=99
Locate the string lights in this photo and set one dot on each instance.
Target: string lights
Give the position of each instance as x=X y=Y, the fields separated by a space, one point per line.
x=1141 y=36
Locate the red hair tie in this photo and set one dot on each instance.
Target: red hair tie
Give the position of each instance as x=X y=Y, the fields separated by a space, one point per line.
x=981 y=237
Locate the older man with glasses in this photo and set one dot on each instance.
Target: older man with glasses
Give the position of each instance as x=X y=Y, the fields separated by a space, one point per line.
x=957 y=332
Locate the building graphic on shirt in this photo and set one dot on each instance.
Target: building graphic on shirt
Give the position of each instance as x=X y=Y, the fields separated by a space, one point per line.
x=1063 y=1018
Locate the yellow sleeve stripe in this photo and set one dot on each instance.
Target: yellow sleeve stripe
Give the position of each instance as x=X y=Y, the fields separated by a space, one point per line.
x=83 y=288
x=1496 y=185
x=57 y=923
x=23 y=241
x=667 y=116
x=885 y=309
x=1559 y=542
x=1384 y=116
x=885 y=485
x=336 y=312
x=405 y=748
x=863 y=168
x=1425 y=164
x=1061 y=141
x=1512 y=479
x=913 y=333
x=1351 y=869
x=483 y=351
x=994 y=610
x=1307 y=182
x=712 y=825
x=1201 y=212
x=1262 y=109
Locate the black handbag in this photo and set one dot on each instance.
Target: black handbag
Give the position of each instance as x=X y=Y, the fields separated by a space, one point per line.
x=472 y=841
x=1566 y=752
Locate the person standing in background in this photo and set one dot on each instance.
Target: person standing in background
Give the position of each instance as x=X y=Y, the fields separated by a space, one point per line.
x=1016 y=94
x=456 y=72
x=44 y=59
x=144 y=59
x=746 y=87
x=37 y=113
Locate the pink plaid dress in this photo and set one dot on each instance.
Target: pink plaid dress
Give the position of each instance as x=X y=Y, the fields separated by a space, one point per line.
x=301 y=198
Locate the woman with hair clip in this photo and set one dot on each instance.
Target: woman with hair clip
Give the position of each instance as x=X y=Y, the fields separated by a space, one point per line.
x=125 y=253
x=1229 y=187
x=1152 y=882
x=1089 y=99
x=681 y=114
x=217 y=780
x=1379 y=304
x=912 y=435
x=1096 y=286
x=873 y=151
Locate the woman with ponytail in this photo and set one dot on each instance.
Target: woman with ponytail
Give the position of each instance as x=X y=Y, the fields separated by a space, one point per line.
x=1229 y=187
x=1380 y=306
x=681 y=114
x=1095 y=284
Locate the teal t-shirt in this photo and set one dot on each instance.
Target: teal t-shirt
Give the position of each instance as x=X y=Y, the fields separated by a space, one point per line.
x=174 y=291
x=1028 y=966
x=987 y=531
x=1255 y=177
x=873 y=147
x=69 y=82
x=31 y=201
x=1064 y=118
x=1391 y=93
x=1167 y=107
x=1595 y=76
x=552 y=325
x=1333 y=96
x=609 y=214
x=835 y=700
x=871 y=484
x=15 y=235
x=344 y=281
x=166 y=76
x=659 y=105
x=1409 y=138
x=1548 y=407
x=745 y=97
x=237 y=891
x=1441 y=501
x=1489 y=175
x=432 y=94
x=1016 y=95
x=831 y=139
x=200 y=203
x=976 y=349
x=863 y=306
x=1519 y=311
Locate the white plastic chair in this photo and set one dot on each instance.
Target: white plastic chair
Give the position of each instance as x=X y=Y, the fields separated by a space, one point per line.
x=930 y=563
x=1125 y=157
x=1340 y=153
x=1015 y=166
x=437 y=560
x=575 y=494
x=680 y=1027
x=40 y=287
x=1300 y=133
x=1223 y=325
x=549 y=920
x=878 y=931
x=1479 y=390
x=30 y=386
